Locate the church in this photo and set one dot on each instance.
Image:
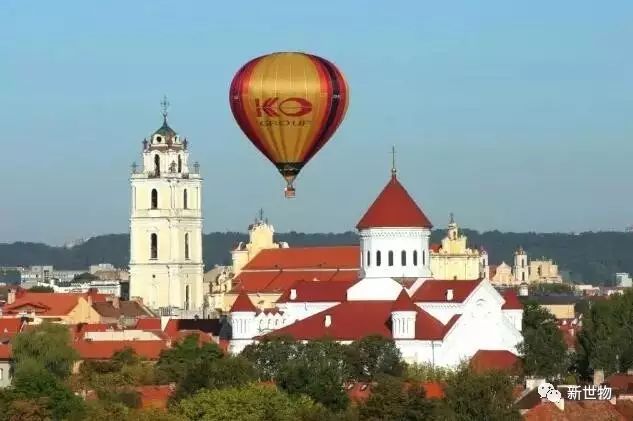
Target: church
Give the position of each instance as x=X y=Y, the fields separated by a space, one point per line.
x=166 y=268
x=384 y=286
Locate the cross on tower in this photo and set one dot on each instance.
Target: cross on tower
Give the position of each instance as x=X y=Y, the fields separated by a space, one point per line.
x=164 y=107
x=393 y=160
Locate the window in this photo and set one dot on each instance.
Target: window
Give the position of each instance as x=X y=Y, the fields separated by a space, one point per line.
x=179 y=164
x=378 y=258
x=187 y=297
x=154 y=199
x=403 y=258
x=415 y=257
x=368 y=258
x=423 y=257
x=159 y=139
x=523 y=276
x=390 y=258
x=184 y=199
x=154 y=246
x=522 y=263
x=1 y=373
x=156 y=165
x=187 y=246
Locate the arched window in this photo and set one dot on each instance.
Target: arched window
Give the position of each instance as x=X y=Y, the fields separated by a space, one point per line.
x=523 y=276
x=187 y=297
x=154 y=246
x=415 y=257
x=187 y=246
x=154 y=199
x=368 y=258
x=156 y=165
x=179 y=164
x=378 y=258
x=390 y=258
x=184 y=199
x=403 y=258
x=522 y=263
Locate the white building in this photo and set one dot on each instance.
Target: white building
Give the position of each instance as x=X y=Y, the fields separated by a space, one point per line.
x=441 y=322
x=166 y=266
x=623 y=280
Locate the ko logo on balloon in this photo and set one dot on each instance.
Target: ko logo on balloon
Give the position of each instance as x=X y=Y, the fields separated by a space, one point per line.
x=290 y=107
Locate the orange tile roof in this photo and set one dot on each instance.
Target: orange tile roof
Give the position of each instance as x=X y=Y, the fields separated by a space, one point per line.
x=394 y=208
x=545 y=411
x=103 y=350
x=155 y=396
x=404 y=303
x=9 y=326
x=243 y=303
x=5 y=352
x=592 y=411
x=279 y=281
x=254 y=281
x=148 y=323
x=621 y=381
x=327 y=257
x=487 y=360
x=44 y=303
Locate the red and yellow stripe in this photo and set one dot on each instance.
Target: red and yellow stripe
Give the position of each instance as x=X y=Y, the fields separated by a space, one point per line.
x=289 y=105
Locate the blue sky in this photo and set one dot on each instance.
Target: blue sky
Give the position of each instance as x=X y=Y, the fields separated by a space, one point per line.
x=514 y=115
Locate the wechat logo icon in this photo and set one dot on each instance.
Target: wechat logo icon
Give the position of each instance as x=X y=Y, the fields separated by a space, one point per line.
x=547 y=390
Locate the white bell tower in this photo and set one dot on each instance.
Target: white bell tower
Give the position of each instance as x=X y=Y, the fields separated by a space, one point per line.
x=166 y=265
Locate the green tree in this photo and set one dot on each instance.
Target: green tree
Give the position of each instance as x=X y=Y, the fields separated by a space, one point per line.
x=393 y=399
x=247 y=403
x=173 y=363
x=49 y=345
x=271 y=354
x=319 y=371
x=543 y=349
x=427 y=372
x=372 y=356
x=215 y=374
x=605 y=339
x=34 y=382
x=542 y=288
x=471 y=396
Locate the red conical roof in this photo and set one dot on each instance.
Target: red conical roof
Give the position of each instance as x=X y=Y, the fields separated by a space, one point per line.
x=394 y=208
x=404 y=303
x=243 y=303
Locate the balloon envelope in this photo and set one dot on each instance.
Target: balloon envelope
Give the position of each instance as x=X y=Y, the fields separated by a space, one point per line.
x=289 y=105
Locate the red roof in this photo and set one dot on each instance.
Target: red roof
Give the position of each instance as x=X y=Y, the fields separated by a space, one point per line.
x=243 y=303
x=148 y=323
x=353 y=320
x=155 y=396
x=310 y=292
x=435 y=291
x=10 y=326
x=487 y=360
x=5 y=352
x=435 y=247
x=394 y=208
x=330 y=257
x=621 y=381
x=278 y=281
x=43 y=303
x=404 y=303
x=512 y=301
x=104 y=350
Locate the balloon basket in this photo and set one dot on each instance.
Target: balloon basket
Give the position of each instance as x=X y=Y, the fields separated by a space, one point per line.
x=289 y=192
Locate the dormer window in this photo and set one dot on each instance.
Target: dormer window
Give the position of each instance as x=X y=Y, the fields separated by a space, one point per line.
x=159 y=139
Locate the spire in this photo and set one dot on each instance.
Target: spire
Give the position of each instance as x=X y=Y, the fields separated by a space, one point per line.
x=393 y=161
x=452 y=218
x=261 y=215
x=164 y=104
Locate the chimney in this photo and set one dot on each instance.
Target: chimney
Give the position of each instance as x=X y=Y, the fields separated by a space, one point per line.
x=293 y=294
x=11 y=296
x=598 y=377
x=449 y=295
x=328 y=320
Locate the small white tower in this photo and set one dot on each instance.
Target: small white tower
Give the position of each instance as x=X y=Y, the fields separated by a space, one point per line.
x=484 y=266
x=521 y=268
x=243 y=314
x=403 y=314
x=166 y=265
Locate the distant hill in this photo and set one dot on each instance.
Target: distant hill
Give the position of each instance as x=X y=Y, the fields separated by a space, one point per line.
x=591 y=257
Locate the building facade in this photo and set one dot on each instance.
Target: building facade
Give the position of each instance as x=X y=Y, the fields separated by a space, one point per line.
x=166 y=267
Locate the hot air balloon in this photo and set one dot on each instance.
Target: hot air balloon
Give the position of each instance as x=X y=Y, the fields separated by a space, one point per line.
x=289 y=105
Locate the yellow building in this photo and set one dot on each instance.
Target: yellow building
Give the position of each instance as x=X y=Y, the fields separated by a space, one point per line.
x=544 y=271
x=260 y=237
x=502 y=275
x=525 y=271
x=454 y=260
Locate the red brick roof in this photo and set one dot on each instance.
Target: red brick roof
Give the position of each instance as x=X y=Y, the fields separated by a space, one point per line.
x=353 y=320
x=487 y=360
x=243 y=303
x=103 y=350
x=404 y=303
x=575 y=411
x=545 y=411
x=329 y=257
x=512 y=301
x=9 y=326
x=394 y=208
x=435 y=291
x=310 y=292
x=5 y=352
x=148 y=323
x=278 y=281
